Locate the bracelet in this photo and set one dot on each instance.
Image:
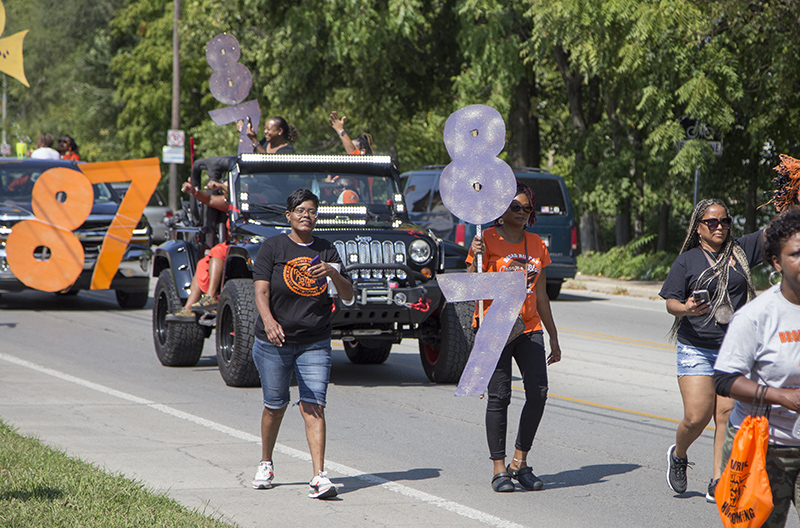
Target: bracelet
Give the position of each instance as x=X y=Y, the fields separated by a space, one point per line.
x=195 y=192
x=342 y=133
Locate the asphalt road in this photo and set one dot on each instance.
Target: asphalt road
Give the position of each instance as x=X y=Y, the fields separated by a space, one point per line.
x=82 y=375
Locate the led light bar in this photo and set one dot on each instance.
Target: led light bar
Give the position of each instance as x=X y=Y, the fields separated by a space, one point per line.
x=318 y=158
x=342 y=209
x=342 y=221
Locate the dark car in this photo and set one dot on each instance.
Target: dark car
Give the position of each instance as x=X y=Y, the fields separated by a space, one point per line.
x=392 y=262
x=157 y=212
x=132 y=279
x=556 y=220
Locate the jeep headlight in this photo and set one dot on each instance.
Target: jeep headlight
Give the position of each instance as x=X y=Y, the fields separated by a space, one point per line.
x=419 y=251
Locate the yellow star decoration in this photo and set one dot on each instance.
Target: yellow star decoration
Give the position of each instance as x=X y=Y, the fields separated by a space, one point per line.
x=11 y=51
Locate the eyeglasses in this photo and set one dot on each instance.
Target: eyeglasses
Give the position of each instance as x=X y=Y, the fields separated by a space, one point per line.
x=517 y=207
x=344 y=185
x=299 y=211
x=714 y=223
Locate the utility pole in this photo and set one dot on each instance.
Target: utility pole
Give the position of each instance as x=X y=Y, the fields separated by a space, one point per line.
x=176 y=103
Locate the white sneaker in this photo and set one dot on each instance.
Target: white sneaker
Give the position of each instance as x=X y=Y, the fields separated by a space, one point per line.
x=264 y=476
x=321 y=487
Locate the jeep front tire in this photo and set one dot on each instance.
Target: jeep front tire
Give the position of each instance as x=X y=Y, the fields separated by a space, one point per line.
x=448 y=340
x=236 y=324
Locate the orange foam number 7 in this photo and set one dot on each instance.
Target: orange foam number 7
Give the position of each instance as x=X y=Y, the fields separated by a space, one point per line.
x=507 y=291
x=56 y=219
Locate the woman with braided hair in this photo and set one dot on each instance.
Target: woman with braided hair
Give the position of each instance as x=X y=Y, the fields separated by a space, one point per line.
x=708 y=281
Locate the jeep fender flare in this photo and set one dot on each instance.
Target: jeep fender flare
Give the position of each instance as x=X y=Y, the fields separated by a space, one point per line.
x=236 y=264
x=177 y=255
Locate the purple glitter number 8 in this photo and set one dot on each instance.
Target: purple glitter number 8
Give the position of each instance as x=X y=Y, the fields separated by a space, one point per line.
x=476 y=186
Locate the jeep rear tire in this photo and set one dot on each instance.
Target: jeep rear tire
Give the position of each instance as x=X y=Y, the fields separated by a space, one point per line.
x=553 y=289
x=445 y=349
x=131 y=299
x=236 y=325
x=368 y=351
x=177 y=344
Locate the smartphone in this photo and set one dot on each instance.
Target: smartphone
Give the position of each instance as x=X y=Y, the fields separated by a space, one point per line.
x=249 y=123
x=316 y=260
x=701 y=296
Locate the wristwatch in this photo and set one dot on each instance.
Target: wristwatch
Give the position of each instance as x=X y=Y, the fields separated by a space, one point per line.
x=342 y=132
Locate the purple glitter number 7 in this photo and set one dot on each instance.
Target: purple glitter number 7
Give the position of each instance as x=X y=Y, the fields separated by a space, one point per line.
x=478 y=187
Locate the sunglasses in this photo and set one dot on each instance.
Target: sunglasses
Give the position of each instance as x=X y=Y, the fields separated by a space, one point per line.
x=517 y=207
x=714 y=223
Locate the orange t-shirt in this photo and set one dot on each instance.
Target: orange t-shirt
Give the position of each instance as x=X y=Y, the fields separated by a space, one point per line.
x=499 y=255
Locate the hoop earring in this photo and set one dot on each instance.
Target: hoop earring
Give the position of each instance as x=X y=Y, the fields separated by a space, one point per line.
x=500 y=221
x=775 y=277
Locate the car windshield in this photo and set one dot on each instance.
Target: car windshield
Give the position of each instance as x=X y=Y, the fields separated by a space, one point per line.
x=17 y=181
x=261 y=189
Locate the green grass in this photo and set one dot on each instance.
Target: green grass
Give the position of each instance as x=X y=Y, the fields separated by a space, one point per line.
x=41 y=487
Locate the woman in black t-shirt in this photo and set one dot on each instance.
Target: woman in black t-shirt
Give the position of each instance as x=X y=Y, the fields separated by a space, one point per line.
x=708 y=281
x=293 y=332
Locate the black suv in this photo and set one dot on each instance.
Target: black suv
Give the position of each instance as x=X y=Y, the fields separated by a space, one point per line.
x=131 y=282
x=555 y=224
x=393 y=264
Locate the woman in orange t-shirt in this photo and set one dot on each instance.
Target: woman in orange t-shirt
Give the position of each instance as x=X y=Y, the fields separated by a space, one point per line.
x=508 y=247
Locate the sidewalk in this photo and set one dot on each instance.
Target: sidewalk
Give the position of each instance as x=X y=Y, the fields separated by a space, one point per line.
x=634 y=288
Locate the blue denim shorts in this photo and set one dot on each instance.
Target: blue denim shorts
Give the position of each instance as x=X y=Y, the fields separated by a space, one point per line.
x=310 y=363
x=696 y=361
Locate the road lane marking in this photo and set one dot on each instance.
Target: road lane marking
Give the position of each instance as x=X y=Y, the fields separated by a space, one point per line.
x=421 y=496
x=617 y=339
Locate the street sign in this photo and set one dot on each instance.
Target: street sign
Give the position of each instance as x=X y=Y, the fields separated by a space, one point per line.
x=176 y=138
x=172 y=154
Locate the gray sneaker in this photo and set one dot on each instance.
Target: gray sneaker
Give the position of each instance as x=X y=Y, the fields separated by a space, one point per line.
x=712 y=488
x=676 y=470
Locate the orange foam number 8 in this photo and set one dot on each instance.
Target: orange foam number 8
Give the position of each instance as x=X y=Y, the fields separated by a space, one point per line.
x=61 y=263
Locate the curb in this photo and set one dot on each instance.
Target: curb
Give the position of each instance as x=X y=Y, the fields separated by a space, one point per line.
x=631 y=288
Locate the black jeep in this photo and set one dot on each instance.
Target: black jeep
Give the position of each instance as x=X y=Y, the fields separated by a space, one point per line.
x=393 y=264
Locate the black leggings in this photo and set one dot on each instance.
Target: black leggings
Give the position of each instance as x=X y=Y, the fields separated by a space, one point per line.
x=528 y=351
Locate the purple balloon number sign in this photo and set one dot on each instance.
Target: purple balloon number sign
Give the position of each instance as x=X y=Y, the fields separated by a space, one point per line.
x=229 y=84
x=478 y=187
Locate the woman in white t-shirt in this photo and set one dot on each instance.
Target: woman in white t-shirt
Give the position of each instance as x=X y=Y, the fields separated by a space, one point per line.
x=762 y=347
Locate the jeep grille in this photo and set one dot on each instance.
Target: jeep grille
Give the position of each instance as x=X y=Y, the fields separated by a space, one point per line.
x=373 y=252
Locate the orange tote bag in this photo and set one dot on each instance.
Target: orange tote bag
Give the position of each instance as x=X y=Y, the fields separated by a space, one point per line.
x=744 y=497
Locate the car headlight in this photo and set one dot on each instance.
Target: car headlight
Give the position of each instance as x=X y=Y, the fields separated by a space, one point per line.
x=419 y=251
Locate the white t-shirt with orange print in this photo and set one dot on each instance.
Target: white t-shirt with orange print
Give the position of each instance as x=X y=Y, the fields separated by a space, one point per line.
x=499 y=255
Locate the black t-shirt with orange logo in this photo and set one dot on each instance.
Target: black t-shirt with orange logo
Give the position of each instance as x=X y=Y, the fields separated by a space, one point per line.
x=302 y=307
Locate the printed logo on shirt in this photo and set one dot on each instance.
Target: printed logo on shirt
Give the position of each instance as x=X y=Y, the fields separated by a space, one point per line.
x=297 y=278
x=790 y=336
x=516 y=262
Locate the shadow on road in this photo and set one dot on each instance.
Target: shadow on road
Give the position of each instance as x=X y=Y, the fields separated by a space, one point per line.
x=585 y=475
x=399 y=370
x=82 y=301
x=575 y=297
x=350 y=484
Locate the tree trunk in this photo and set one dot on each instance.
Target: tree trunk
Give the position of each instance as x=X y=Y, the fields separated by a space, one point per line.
x=750 y=204
x=524 y=142
x=663 y=226
x=623 y=224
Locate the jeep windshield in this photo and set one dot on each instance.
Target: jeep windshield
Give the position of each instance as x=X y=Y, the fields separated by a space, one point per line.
x=344 y=197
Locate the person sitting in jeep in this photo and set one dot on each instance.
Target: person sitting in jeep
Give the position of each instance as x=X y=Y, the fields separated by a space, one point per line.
x=204 y=291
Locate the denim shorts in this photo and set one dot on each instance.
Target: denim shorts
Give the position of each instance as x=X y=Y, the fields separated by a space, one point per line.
x=310 y=363
x=696 y=361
